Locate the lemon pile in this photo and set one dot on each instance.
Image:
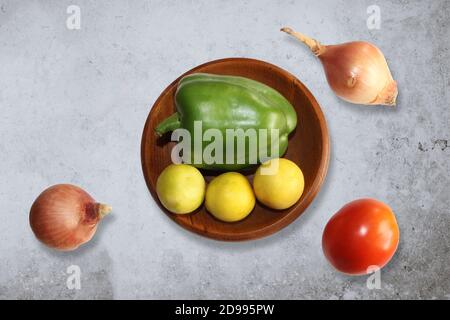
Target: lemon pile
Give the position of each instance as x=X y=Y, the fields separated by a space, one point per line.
x=277 y=183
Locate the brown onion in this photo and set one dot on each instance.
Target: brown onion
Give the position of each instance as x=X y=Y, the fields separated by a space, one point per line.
x=64 y=216
x=356 y=71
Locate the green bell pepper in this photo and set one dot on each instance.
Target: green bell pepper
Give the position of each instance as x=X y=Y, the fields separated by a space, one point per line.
x=229 y=102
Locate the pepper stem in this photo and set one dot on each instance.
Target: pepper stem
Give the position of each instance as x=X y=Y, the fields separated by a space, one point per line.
x=315 y=46
x=169 y=124
x=103 y=210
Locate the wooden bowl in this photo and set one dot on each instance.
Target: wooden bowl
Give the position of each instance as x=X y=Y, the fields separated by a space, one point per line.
x=308 y=148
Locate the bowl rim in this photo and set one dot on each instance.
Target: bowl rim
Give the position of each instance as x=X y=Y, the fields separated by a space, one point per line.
x=297 y=209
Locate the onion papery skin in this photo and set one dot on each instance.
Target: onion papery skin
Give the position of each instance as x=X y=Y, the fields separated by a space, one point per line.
x=65 y=216
x=358 y=73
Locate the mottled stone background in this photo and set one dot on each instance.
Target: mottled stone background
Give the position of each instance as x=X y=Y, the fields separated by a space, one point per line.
x=73 y=106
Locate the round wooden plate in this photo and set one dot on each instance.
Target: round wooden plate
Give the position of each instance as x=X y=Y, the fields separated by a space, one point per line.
x=308 y=148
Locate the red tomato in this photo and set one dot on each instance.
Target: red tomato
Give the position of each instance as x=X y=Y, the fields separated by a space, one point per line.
x=363 y=233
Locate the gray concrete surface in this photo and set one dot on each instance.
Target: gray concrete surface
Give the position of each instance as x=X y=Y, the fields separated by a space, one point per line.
x=74 y=102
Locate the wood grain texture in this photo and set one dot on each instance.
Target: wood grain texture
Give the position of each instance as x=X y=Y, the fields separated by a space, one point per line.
x=308 y=148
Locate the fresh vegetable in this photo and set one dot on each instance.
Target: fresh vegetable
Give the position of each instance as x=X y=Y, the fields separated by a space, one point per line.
x=278 y=183
x=362 y=234
x=180 y=188
x=356 y=71
x=65 y=216
x=229 y=197
x=228 y=102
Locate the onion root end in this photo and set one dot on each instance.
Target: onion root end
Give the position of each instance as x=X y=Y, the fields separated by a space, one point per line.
x=103 y=210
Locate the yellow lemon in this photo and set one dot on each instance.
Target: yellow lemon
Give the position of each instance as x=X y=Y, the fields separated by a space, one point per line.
x=180 y=188
x=278 y=183
x=229 y=197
